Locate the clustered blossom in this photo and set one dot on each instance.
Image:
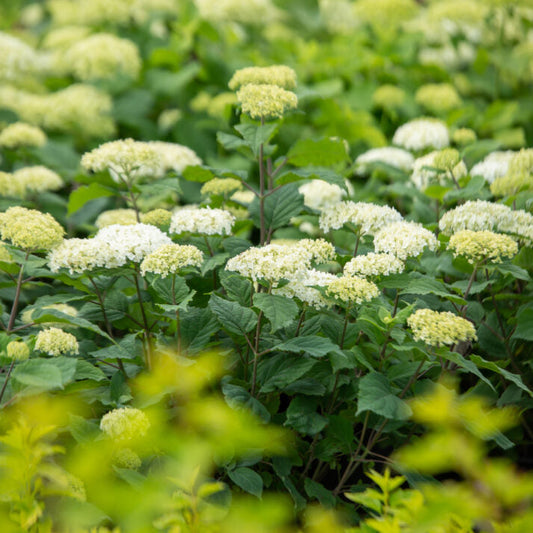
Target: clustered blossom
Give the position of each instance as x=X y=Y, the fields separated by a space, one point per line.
x=495 y=165
x=205 y=220
x=434 y=168
x=157 y=217
x=519 y=175
x=30 y=229
x=480 y=246
x=404 y=239
x=395 y=157
x=20 y=134
x=319 y=194
x=302 y=287
x=17 y=351
x=280 y=75
x=38 y=179
x=436 y=328
x=275 y=262
x=55 y=341
x=352 y=290
x=173 y=157
x=17 y=59
x=127 y=458
x=113 y=246
x=125 y=217
x=125 y=159
x=10 y=187
x=388 y=97
x=27 y=315
x=422 y=133
x=5 y=255
x=170 y=258
x=125 y=424
x=221 y=186
x=373 y=264
x=102 y=56
x=76 y=109
x=368 y=217
x=243 y=11
x=438 y=97
x=464 y=136
x=266 y=101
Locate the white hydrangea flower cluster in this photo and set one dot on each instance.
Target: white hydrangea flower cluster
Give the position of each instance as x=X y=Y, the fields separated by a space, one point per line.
x=112 y=247
x=495 y=165
x=125 y=217
x=204 y=220
x=171 y=258
x=482 y=246
x=338 y=16
x=102 y=56
x=404 y=239
x=20 y=134
x=352 y=290
x=373 y=265
x=275 y=262
x=422 y=133
x=302 y=287
x=17 y=60
x=38 y=179
x=173 y=156
x=423 y=177
x=395 y=157
x=319 y=194
x=368 y=217
x=518 y=177
x=244 y=11
x=437 y=328
x=125 y=159
x=76 y=109
x=55 y=341
x=62 y=38
x=125 y=424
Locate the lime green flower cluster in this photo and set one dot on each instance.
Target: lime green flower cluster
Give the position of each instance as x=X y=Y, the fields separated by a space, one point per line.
x=55 y=341
x=125 y=424
x=170 y=258
x=5 y=256
x=262 y=91
x=438 y=97
x=157 y=217
x=482 y=246
x=388 y=97
x=437 y=328
x=30 y=229
x=127 y=458
x=20 y=134
x=125 y=217
x=519 y=175
x=26 y=180
x=352 y=290
x=464 y=136
x=221 y=186
x=385 y=14
x=17 y=351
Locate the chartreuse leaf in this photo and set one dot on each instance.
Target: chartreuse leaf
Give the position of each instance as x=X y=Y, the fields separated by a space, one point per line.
x=234 y=317
x=247 y=480
x=279 y=310
x=198 y=173
x=313 y=345
x=280 y=207
x=321 y=153
x=375 y=395
x=79 y=197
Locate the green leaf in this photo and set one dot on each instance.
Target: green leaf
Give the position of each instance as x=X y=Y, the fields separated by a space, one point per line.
x=280 y=207
x=279 y=310
x=318 y=173
x=40 y=373
x=472 y=191
x=256 y=135
x=318 y=491
x=53 y=315
x=84 y=370
x=198 y=173
x=231 y=142
x=375 y=395
x=237 y=396
x=165 y=82
x=163 y=288
x=429 y=285
x=233 y=317
x=128 y=347
x=489 y=365
x=247 y=480
x=302 y=416
x=516 y=271
x=313 y=345
x=280 y=371
x=468 y=365
x=67 y=367
x=79 y=197
x=524 y=327
x=237 y=287
x=321 y=153
x=197 y=327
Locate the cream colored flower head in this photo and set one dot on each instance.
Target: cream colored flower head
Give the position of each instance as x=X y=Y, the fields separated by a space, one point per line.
x=374 y=265
x=404 y=239
x=395 y=157
x=319 y=194
x=55 y=341
x=519 y=175
x=157 y=217
x=171 y=258
x=27 y=314
x=125 y=217
x=205 y=221
x=10 y=187
x=266 y=101
x=438 y=97
x=495 y=165
x=482 y=246
x=422 y=133
x=368 y=218
x=125 y=424
x=126 y=160
x=20 y=134
x=174 y=157
x=279 y=75
x=352 y=290
x=38 y=179
x=221 y=186
x=30 y=229
x=389 y=97
x=464 y=136
x=437 y=167
x=437 y=328
x=17 y=351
